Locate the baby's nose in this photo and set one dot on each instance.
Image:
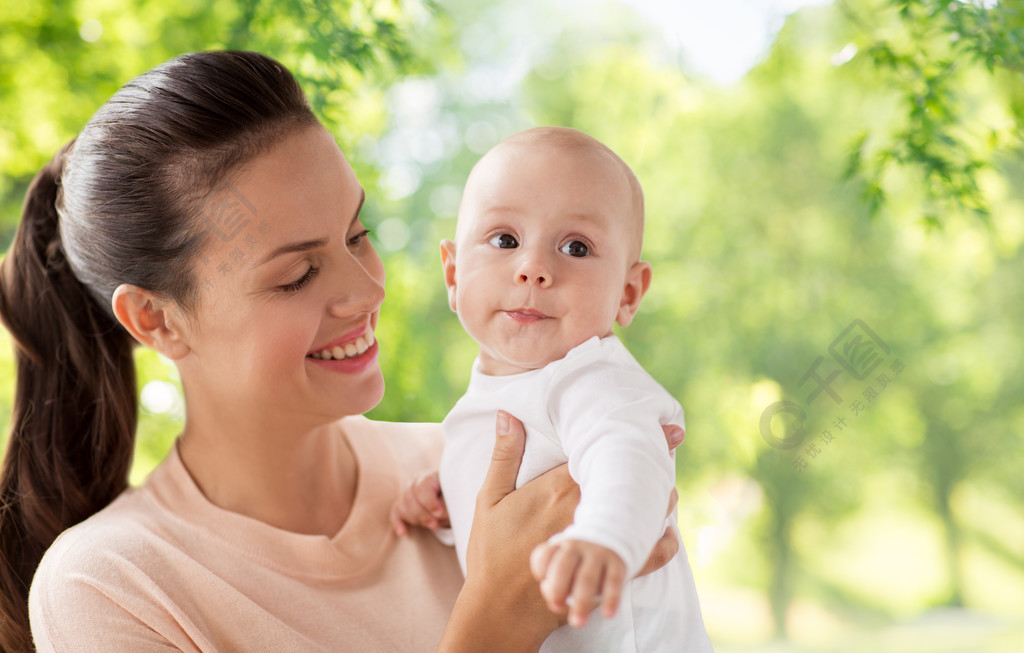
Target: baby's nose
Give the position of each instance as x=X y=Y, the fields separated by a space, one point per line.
x=533 y=270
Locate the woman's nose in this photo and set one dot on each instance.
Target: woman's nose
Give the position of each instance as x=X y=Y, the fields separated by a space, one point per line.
x=360 y=289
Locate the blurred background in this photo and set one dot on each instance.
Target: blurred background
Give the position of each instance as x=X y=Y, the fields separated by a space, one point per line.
x=835 y=216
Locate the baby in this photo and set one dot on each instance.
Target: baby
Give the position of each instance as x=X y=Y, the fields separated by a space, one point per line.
x=546 y=260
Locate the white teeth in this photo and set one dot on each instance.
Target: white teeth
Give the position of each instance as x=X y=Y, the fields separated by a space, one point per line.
x=354 y=348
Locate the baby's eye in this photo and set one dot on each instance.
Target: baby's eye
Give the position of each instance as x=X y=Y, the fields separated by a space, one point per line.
x=576 y=248
x=504 y=241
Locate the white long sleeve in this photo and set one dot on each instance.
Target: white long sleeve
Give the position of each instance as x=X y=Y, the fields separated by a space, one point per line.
x=608 y=413
x=598 y=410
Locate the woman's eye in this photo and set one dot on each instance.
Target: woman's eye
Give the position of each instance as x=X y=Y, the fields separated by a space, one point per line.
x=576 y=248
x=359 y=237
x=301 y=282
x=504 y=241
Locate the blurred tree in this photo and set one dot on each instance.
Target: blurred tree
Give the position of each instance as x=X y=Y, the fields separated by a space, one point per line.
x=931 y=55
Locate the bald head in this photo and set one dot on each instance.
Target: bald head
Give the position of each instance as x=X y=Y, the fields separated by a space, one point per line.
x=579 y=146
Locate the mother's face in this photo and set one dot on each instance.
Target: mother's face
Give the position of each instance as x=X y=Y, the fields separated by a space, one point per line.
x=289 y=291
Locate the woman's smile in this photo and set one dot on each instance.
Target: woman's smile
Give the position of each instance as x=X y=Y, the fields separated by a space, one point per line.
x=354 y=357
x=341 y=349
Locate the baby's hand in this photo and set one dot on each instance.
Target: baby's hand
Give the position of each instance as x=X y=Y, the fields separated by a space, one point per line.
x=421 y=504
x=588 y=573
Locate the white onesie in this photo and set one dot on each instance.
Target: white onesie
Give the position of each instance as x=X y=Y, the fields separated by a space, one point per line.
x=598 y=410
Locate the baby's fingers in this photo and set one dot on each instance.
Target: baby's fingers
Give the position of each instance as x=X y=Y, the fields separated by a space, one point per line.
x=586 y=583
x=540 y=558
x=558 y=578
x=408 y=511
x=397 y=523
x=427 y=492
x=611 y=588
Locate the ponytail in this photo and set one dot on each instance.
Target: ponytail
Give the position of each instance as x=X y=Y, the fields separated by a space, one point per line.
x=73 y=421
x=122 y=204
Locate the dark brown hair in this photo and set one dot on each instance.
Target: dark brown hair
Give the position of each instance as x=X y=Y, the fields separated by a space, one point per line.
x=122 y=203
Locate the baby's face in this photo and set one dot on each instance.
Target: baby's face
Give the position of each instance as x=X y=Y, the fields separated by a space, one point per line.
x=545 y=254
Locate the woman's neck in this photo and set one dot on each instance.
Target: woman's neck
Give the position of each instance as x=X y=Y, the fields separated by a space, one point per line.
x=304 y=482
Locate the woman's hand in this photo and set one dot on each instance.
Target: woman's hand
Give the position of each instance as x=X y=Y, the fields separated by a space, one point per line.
x=500 y=608
x=668 y=546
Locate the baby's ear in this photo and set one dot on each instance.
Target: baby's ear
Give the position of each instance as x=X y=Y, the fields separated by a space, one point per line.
x=638 y=280
x=448 y=263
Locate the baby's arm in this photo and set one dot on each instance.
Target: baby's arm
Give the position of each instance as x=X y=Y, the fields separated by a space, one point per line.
x=608 y=422
x=421 y=504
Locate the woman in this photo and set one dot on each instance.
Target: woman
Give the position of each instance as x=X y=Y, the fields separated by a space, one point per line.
x=204 y=212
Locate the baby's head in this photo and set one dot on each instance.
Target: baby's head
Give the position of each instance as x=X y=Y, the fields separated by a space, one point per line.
x=547 y=248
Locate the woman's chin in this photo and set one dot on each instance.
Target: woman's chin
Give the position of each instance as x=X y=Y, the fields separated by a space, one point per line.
x=368 y=396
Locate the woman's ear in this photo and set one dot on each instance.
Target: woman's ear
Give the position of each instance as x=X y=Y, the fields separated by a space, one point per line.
x=448 y=263
x=154 y=321
x=638 y=280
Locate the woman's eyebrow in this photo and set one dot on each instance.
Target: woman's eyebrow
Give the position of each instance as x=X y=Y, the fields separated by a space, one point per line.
x=302 y=246
x=306 y=245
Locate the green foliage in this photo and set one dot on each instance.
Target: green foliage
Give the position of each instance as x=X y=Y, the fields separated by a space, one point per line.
x=335 y=48
x=930 y=56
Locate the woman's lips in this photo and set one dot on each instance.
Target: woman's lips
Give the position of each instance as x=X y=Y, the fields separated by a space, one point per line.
x=349 y=364
x=351 y=348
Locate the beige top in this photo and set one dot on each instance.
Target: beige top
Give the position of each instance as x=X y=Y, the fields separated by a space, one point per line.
x=162 y=568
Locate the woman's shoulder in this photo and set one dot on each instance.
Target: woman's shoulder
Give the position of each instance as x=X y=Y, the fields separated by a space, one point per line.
x=84 y=574
x=121 y=531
